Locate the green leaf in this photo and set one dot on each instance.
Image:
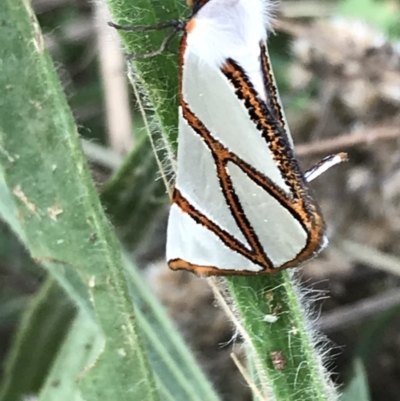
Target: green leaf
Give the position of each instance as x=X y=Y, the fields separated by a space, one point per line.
x=134 y=194
x=10 y=308
x=40 y=333
x=7 y=207
x=78 y=352
x=357 y=389
x=373 y=332
x=59 y=210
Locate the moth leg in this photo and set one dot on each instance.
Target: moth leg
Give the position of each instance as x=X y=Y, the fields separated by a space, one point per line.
x=325 y=164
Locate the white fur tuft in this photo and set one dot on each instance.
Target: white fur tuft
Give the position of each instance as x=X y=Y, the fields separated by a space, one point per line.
x=229 y=29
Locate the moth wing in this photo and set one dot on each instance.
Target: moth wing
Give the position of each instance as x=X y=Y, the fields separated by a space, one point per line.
x=243 y=217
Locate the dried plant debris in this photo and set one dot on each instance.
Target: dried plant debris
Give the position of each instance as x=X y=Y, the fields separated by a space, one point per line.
x=362 y=64
x=355 y=73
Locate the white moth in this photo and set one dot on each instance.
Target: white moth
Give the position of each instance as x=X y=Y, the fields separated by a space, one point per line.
x=241 y=204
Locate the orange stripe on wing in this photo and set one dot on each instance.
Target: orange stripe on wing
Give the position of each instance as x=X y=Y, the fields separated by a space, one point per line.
x=190 y=25
x=180 y=264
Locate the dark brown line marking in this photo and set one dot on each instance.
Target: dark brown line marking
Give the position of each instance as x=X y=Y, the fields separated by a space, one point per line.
x=229 y=240
x=272 y=92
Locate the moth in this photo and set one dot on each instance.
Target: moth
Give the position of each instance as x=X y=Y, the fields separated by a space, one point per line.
x=241 y=204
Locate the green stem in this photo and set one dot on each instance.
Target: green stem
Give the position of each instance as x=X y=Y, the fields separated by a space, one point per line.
x=273 y=313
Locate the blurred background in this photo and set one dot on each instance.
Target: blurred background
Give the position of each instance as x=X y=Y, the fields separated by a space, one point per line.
x=337 y=65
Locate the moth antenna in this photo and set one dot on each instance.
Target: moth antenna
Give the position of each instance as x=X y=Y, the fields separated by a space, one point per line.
x=176 y=26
